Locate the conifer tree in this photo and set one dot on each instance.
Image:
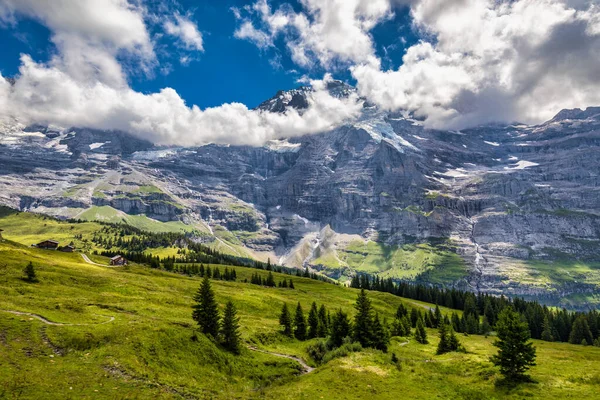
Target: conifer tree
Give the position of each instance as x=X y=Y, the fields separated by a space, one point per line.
x=299 y=323
x=216 y=273
x=270 y=282
x=291 y=284
x=363 y=321
x=313 y=321
x=285 y=320
x=401 y=311
x=414 y=317
x=206 y=312
x=516 y=353
x=438 y=320
x=340 y=328
x=580 y=332
x=448 y=340
x=381 y=337
x=30 y=274
x=230 y=329
x=547 y=330
x=420 y=332
x=323 y=329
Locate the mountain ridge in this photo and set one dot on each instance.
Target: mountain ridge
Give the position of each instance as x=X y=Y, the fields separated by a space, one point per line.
x=501 y=198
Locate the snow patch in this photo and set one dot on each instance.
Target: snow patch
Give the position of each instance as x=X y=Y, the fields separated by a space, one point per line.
x=491 y=143
x=95 y=146
x=522 y=165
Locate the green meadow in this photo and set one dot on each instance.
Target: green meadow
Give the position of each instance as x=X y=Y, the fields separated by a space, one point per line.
x=128 y=334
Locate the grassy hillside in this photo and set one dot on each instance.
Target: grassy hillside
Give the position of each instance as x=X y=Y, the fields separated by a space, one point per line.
x=152 y=350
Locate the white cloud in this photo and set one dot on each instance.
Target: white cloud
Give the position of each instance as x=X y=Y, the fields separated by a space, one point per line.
x=84 y=85
x=325 y=32
x=477 y=61
x=46 y=95
x=248 y=32
x=89 y=34
x=493 y=61
x=186 y=31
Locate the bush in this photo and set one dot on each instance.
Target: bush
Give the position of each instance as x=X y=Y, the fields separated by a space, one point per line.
x=342 y=351
x=317 y=350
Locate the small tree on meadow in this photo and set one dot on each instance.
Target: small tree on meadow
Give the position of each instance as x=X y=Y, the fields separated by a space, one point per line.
x=323 y=329
x=340 y=328
x=420 y=332
x=299 y=323
x=285 y=320
x=448 y=340
x=230 y=329
x=363 y=321
x=30 y=274
x=206 y=311
x=516 y=353
x=313 y=321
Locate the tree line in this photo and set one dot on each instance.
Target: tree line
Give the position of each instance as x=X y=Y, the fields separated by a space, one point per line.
x=481 y=311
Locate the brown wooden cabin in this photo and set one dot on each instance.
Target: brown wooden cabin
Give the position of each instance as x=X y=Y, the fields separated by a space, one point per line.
x=118 y=260
x=47 y=245
x=67 y=249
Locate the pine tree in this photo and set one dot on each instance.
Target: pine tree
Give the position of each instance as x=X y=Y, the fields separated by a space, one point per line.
x=270 y=282
x=30 y=274
x=291 y=284
x=363 y=321
x=516 y=353
x=323 y=329
x=313 y=321
x=414 y=317
x=285 y=320
x=381 y=336
x=547 y=330
x=229 y=330
x=206 y=312
x=448 y=340
x=340 y=328
x=438 y=317
x=581 y=332
x=485 y=327
x=420 y=332
x=299 y=323
x=401 y=311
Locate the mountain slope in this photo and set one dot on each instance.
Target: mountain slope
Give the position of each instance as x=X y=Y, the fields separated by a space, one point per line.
x=514 y=203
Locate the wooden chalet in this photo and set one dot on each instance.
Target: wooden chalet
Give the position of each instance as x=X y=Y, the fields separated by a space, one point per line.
x=67 y=249
x=118 y=260
x=47 y=245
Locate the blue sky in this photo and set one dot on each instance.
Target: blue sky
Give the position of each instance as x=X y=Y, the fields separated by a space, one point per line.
x=229 y=70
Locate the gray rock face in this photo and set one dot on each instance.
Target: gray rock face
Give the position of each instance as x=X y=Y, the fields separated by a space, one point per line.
x=503 y=194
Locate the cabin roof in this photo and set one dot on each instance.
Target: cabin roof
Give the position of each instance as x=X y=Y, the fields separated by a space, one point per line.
x=49 y=241
x=116 y=257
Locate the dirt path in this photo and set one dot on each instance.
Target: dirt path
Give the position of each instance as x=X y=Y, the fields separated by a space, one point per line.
x=87 y=260
x=306 y=369
x=47 y=322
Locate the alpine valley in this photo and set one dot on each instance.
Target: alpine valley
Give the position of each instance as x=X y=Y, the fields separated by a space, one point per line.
x=502 y=209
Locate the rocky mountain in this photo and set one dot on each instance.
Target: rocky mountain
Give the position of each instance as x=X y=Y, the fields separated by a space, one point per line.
x=509 y=209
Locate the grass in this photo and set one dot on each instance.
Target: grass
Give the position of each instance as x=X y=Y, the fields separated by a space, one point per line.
x=109 y=214
x=147 y=189
x=404 y=262
x=151 y=349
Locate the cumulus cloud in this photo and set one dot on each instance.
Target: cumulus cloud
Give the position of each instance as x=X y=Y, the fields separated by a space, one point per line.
x=324 y=32
x=48 y=95
x=85 y=85
x=186 y=31
x=493 y=61
x=478 y=61
x=89 y=35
